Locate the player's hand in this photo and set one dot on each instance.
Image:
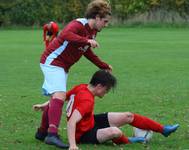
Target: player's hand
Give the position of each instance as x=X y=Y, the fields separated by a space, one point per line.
x=38 y=107
x=110 y=69
x=73 y=148
x=48 y=38
x=93 y=43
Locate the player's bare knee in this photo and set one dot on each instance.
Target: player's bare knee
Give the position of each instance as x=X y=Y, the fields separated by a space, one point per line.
x=115 y=132
x=129 y=117
x=59 y=95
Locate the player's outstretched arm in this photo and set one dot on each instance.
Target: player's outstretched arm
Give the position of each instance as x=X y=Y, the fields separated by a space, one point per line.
x=40 y=107
x=90 y=55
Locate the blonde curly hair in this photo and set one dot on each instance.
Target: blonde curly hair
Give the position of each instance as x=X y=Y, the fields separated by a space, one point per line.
x=98 y=7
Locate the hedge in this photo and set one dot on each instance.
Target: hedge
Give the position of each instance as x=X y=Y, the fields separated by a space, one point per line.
x=37 y=12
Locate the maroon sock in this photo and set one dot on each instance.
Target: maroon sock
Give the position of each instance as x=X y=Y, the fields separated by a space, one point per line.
x=54 y=114
x=121 y=140
x=44 y=120
x=145 y=123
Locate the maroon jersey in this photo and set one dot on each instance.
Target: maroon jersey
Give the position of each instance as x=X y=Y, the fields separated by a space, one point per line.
x=82 y=99
x=70 y=45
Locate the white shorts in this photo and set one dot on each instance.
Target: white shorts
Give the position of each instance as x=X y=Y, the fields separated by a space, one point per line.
x=55 y=79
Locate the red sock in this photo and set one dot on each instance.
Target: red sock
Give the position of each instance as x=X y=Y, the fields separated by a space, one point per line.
x=145 y=123
x=44 y=120
x=54 y=114
x=121 y=140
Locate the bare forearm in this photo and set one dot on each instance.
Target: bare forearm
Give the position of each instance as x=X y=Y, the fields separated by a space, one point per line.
x=75 y=117
x=71 y=135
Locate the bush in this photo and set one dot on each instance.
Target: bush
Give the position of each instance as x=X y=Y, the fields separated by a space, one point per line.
x=37 y=12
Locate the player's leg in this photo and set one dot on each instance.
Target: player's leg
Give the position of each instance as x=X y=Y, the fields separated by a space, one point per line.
x=139 y=121
x=146 y=123
x=99 y=135
x=43 y=129
x=54 y=85
x=120 y=118
x=48 y=38
x=108 y=131
x=54 y=115
x=55 y=111
x=46 y=43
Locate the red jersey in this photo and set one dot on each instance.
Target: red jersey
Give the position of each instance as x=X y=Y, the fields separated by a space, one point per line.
x=70 y=45
x=82 y=99
x=52 y=27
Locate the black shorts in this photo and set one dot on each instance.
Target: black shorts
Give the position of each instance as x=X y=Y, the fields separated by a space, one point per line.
x=101 y=121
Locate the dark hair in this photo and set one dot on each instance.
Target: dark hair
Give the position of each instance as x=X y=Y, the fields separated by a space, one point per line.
x=104 y=78
x=98 y=7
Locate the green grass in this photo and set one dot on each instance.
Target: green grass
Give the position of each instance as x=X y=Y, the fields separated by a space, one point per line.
x=152 y=68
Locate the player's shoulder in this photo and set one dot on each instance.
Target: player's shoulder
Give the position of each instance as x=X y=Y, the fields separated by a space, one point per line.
x=83 y=92
x=80 y=22
x=80 y=87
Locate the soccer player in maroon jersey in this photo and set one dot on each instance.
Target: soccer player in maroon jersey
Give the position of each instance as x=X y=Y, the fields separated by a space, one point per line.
x=75 y=40
x=85 y=127
x=50 y=31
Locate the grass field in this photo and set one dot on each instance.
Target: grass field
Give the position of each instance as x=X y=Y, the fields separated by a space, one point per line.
x=152 y=67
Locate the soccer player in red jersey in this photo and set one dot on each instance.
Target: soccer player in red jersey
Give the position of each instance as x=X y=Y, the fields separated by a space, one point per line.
x=85 y=127
x=75 y=40
x=50 y=31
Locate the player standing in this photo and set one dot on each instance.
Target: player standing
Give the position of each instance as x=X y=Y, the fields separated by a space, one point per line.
x=50 y=31
x=75 y=40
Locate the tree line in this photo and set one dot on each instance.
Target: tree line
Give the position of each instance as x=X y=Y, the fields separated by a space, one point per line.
x=38 y=12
